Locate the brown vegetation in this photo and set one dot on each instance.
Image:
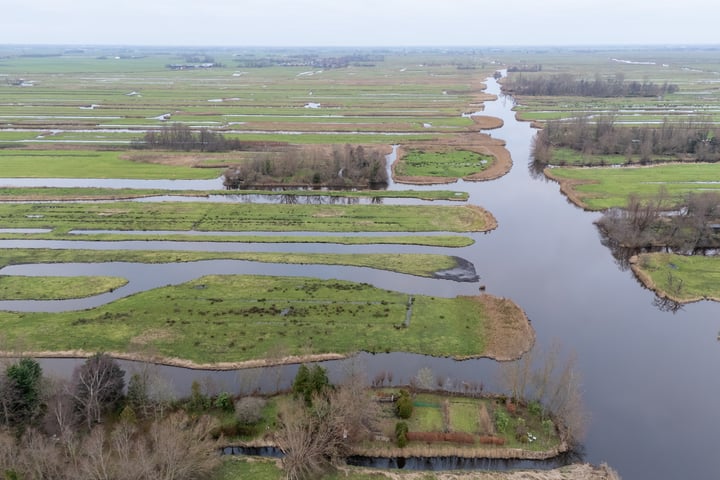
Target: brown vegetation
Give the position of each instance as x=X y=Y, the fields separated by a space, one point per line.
x=478 y=143
x=508 y=332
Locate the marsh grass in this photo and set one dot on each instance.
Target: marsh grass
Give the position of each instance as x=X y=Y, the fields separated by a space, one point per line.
x=450 y=163
x=415 y=264
x=679 y=277
x=56 y=288
x=241 y=318
x=602 y=188
x=248 y=217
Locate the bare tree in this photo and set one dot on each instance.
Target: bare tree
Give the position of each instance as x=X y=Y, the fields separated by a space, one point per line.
x=98 y=386
x=315 y=438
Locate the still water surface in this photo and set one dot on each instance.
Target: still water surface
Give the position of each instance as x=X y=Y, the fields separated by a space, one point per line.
x=650 y=377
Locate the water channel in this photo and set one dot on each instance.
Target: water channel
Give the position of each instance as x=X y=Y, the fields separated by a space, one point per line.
x=649 y=375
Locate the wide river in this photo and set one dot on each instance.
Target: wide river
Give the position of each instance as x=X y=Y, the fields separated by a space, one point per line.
x=650 y=378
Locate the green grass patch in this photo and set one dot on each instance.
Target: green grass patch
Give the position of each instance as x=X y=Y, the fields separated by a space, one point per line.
x=178 y=216
x=414 y=264
x=602 y=188
x=70 y=193
x=682 y=278
x=55 y=288
x=451 y=163
x=233 y=318
x=464 y=415
x=91 y=164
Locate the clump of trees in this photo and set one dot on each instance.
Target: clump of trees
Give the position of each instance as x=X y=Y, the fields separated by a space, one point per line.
x=343 y=167
x=57 y=429
x=316 y=437
x=553 y=385
x=568 y=85
x=656 y=222
x=695 y=140
x=181 y=137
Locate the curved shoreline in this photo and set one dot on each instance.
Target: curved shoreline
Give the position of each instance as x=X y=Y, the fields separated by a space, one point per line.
x=646 y=279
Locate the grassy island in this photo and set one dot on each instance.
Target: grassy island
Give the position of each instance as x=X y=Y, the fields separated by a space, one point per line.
x=232 y=321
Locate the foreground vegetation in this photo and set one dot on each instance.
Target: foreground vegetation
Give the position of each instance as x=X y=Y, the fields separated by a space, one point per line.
x=238 y=468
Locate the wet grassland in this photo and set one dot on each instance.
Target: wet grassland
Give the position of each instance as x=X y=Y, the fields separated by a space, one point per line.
x=645 y=126
x=79 y=115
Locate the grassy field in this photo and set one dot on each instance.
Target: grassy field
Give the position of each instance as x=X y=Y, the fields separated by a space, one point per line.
x=239 y=318
x=180 y=216
x=56 y=288
x=452 y=163
x=423 y=265
x=92 y=164
x=70 y=193
x=679 y=277
x=602 y=188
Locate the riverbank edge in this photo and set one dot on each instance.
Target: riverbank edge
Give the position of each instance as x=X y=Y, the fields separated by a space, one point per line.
x=647 y=281
x=575 y=471
x=496 y=149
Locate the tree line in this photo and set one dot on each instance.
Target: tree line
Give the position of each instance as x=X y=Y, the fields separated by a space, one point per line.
x=181 y=137
x=86 y=428
x=342 y=167
x=565 y=84
x=697 y=140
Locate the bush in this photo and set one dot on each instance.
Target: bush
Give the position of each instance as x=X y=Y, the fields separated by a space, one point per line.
x=249 y=410
x=454 y=437
x=491 y=440
x=404 y=405
x=401 y=434
x=502 y=420
x=224 y=402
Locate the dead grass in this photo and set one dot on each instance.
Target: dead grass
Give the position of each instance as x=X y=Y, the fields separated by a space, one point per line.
x=570 y=472
x=508 y=331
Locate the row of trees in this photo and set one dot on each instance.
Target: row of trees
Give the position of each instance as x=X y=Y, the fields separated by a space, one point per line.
x=343 y=166
x=181 y=137
x=698 y=140
x=568 y=85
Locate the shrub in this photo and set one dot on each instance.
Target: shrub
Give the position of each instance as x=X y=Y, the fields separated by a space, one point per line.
x=491 y=440
x=404 y=405
x=224 y=402
x=248 y=410
x=401 y=434
x=502 y=420
x=454 y=437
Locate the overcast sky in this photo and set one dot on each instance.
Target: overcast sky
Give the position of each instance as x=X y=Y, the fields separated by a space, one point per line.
x=360 y=22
